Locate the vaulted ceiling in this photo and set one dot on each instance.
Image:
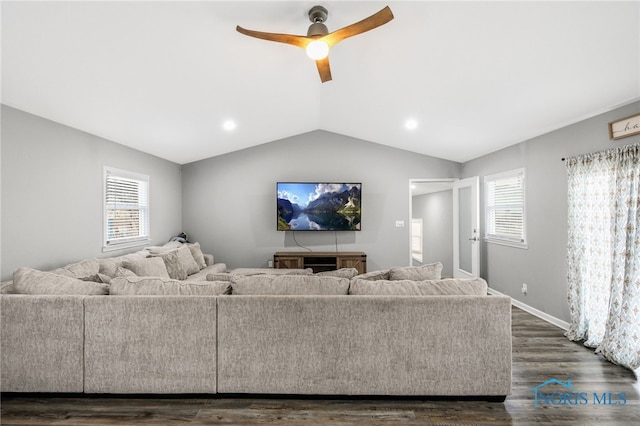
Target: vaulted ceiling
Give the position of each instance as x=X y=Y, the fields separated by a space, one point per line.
x=163 y=77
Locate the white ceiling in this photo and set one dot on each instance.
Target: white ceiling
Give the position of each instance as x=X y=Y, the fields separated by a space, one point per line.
x=162 y=77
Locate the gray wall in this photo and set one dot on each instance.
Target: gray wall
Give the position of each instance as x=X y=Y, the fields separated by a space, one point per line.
x=543 y=265
x=230 y=202
x=436 y=211
x=52 y=209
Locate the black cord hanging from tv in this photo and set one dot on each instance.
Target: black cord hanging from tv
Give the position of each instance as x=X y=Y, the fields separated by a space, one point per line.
x=296 y=241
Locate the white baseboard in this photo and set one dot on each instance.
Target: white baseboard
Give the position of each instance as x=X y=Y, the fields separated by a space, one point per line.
x=533 y=311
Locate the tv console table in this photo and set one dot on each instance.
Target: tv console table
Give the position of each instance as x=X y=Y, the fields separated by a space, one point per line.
x=320 y=261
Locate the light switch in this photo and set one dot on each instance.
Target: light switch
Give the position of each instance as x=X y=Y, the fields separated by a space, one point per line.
x=399 y=223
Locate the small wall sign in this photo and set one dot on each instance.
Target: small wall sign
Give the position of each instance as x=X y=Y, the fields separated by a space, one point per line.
x=624 y=127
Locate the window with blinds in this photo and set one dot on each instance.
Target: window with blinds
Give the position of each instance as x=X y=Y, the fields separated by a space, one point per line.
x=505 y=208
x=126 y=208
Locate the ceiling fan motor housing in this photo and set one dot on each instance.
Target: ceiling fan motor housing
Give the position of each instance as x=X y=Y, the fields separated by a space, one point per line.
x=318 y=14
x=317 y=29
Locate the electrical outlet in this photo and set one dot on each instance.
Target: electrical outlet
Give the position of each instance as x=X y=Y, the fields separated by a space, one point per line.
x=524 y=288
x=270 y=263
x=399 y=223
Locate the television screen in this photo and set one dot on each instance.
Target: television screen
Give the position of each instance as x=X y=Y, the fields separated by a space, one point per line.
x=306 y=206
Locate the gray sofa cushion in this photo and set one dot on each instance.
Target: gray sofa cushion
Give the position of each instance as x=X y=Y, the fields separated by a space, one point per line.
x=270 y=271
x=83 y=269
x=175 y=268
x=147 y=267
x=431 y=271
x=197 y=254
x=382 y=274
x=186 y=259
x=152 y=286
x=210 y=269
x=6 y=287
x=31 y=281
x=341 y=273
x=109 y=265
x=289 y=285
x=451 y=286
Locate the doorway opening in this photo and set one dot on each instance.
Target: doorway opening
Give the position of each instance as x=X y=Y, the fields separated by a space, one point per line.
x=431 y=201
x=444 y=220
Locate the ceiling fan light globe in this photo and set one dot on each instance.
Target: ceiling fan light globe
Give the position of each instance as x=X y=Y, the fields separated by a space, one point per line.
x=317 y=49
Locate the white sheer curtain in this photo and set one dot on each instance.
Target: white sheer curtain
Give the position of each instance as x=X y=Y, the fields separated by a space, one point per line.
x=604 y=252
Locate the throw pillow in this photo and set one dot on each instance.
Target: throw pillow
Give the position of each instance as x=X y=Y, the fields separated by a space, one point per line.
x=431 y=271
x=98 y=278
x=109 y=265
x=124 y=272
x=83 y=269
x=188 y=262
x=197 y=254
x=375 y=275
x=6 y=287
x=173 y=265
x=139 y=286
x=289 y=285
x=341 y=273
x=446 y=287
x=147 y=267
x=32 y=281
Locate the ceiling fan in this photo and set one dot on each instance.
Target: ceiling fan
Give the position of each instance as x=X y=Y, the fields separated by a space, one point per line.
x=318 y=40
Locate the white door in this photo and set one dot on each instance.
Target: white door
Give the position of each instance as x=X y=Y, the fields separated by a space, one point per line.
x=466 y=231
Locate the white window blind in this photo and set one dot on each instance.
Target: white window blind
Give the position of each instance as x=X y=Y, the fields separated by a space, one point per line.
x=126 y=202
x=505 y=208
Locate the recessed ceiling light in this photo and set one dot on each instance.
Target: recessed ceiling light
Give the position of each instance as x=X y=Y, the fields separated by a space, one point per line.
x=229 y=125
x=411 y=124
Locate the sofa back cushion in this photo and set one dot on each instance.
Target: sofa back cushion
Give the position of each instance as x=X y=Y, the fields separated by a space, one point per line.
x=32 y=281
x=147 y=267
x=197 y=254
x=381 y=274
x=84 y=269
x=451 y=286
x=154 y=286
x=109 y=265
x=340 y=273
x=431 y=271
x=289 y=285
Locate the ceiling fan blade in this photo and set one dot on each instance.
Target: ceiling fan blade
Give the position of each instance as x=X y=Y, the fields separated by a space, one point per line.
x=380 y=18
x=295 y=40
x=324 y=69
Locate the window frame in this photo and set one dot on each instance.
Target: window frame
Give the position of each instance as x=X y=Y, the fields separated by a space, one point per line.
x=504 y=239
x=144 y=234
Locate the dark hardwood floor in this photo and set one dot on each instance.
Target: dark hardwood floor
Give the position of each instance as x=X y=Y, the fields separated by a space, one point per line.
x=540 y=353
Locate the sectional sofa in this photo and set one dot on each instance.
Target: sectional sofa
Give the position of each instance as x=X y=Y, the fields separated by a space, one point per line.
x=402 y=331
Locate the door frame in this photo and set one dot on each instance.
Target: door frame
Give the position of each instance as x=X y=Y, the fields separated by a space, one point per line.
x=413 y=181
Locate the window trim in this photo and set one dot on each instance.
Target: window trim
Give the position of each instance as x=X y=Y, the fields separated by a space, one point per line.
x=123 y=243
x=503 y=240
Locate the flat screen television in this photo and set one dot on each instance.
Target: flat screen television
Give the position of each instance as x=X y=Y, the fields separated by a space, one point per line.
x=319 y=206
